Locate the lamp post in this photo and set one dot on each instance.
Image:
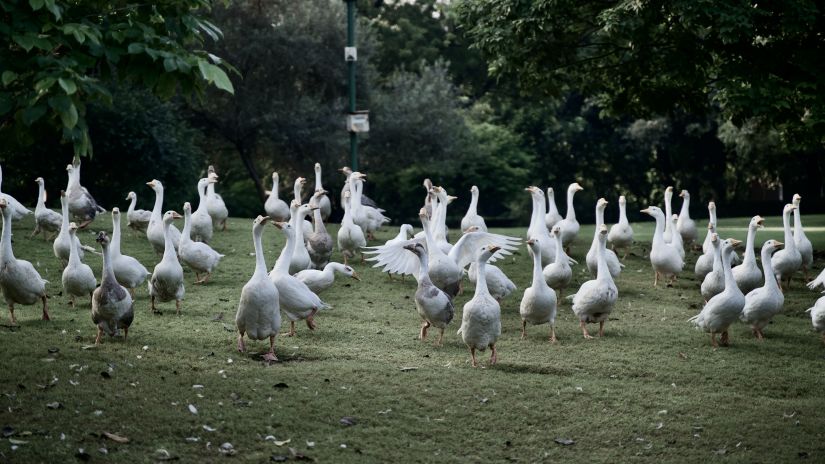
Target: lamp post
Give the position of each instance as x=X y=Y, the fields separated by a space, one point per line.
x=357 y=121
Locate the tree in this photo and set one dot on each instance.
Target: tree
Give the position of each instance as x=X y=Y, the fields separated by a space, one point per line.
x=58 y=55
x=759 y=62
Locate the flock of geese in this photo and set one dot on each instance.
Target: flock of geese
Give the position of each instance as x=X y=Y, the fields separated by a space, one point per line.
x=733 y=288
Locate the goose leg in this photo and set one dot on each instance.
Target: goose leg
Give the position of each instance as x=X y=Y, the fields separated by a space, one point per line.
x=523 y=328
x=197 y=278
x=206 y=277
x=37 y=231
x=177 y=307
x=311 y=319
x=125 y=333
x=552 y=333
x=224 y=225
x=440 y=338
x=45 y=308
x=601 y=328
x=493 y=355
x=71 y=301
x=85 y=223
x=241 y=346
x=473 y=356
x=724 y=340
x=759 y=335
x=291 y=329
x=423 y=333
x=583 y=325
x=99 y=335
x=270 y=356
x=656 y=279
x=11 y=314
x=713 y=340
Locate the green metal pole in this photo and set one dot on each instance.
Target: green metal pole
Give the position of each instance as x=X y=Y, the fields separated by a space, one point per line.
x=353 y=137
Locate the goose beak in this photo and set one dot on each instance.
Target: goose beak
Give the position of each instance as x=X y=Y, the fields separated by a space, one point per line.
x=151 y=183
x=531 y=241
x=494 y=248
x=646 y=211
x=279 y=225
x=355 y=276
x=735 y=243
x=682 y=194
x=760 y=223
x=779 y=244
x=176 y=215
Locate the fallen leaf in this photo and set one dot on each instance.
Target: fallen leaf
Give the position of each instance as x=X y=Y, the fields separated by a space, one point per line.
x=208 y=428
x=193 y=409
x=282 y=443
x=14 y=441
x=115 y=438
x=405 y=369
x=565 y=441
x=348 y=421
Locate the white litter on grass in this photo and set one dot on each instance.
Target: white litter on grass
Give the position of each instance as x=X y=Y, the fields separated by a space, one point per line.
x=193 y=409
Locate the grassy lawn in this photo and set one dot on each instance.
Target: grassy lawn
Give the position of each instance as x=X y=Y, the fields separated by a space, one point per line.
x=653 y=388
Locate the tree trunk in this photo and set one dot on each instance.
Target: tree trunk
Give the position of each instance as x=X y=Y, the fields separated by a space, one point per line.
x=246 y=158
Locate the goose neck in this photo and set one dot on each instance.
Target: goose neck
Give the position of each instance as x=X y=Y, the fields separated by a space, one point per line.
x=318 y=185
x=551 y=202
x=114 y=246
x=157 y=210
x=41 y=190
x=602 y=271
x=730 y=281
x=658 y=238
x=481 y=280
x=186 y=234
x=797 y=222
x=64 y=208
x=74 y=257
x=750 y=255
x=132 y=203
x=282 y=265
x=538 y=277
x=202 y=198
x=767 y=268
x=473 y=209
x=260 y=261
x=786 y=223
x=318 y=221
x=685 y=211
x=108 y=273
x=168 y=244
x=571 y=212
x=623 y=213
x=274 y=192
x=6 y=252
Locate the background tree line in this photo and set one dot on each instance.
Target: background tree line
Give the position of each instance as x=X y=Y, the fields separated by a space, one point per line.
x=499 y=94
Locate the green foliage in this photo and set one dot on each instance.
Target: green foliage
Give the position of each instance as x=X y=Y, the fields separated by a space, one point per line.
x=753 y=61
x=59 y=55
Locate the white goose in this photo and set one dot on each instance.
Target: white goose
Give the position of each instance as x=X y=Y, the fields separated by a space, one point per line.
x=350 y=236
x=685 y=225
x=438 y=219
x=747 y=275
x=763 y=303
x=704 y=264
x=81 y=203
x=445 y=270
x=538 y=228
x=323 y=200
x=481 y=319
x=276 y=209
x=434 y=306
x=621 y=233
x=802 y=243
x=818 y=316
x=676 y=238
x=299 y=258
x=558 y=274
x=45 y=219
x=166 y=283
x=305 y=226
x=155 y=230
x=788 y=260
x=214 y=202
x=319 y=280
x=667 y=235
x=552 y=217
x=62 y=245
x=472 y=217
x=595 y=299
x=259 y=314
x=14 y=207
x=714 y=282
x=127 y=270
x=199 y=256
x=320 y=243
x=19 y=281
x=664 y=257
x=201 y=222
x=613 y=264
x=569 y=225
x=137 y=219
x=78 y=279
x=112 y=306
x=370 y=219
x=296 y=299
x=723 y=309
x=538 y=305
x=365 y=200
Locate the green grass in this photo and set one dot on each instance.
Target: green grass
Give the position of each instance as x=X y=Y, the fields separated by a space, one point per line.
x=653 y=388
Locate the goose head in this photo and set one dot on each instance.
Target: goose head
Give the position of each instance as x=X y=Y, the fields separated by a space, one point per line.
x=550 y=192
x=346 y=270
x=574 y=187
x=317 y=168
x=115 y=214
x=474 y=190
x=757 y=222
x=603 y=234
x=533 y=244
x=131 y=195
x=601 y=205
x=213 y=175
x=788 y=209
x=684 y=194
x=72 y=227
x=728 y=245
x=674 y=218
x=258 y=224
x=202 y=183
x=471 y=229
x=535 y=192
x=275 y=178
x=316 y=198
x=303 y=210
x=796 y=199
x=299 y=182
x=187 y=209
x=346 y=197
x=772 y=245
x=102 y=239
x=416 y=248
x=170 y=216
x=286 y=227
x=407 y=229
x=622 y=200
x=4 y=203
x=486 y=252
x=428 y=184
x=556 y=231
x=155 y=185
x=39 y=181
x=346 y=171
x=712 y=207
x=654 y=211
x=714 y=240
x=668 y=193
x=211 y=170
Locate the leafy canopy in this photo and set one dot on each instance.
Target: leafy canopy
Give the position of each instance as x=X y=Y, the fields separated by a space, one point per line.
x=58 y=53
